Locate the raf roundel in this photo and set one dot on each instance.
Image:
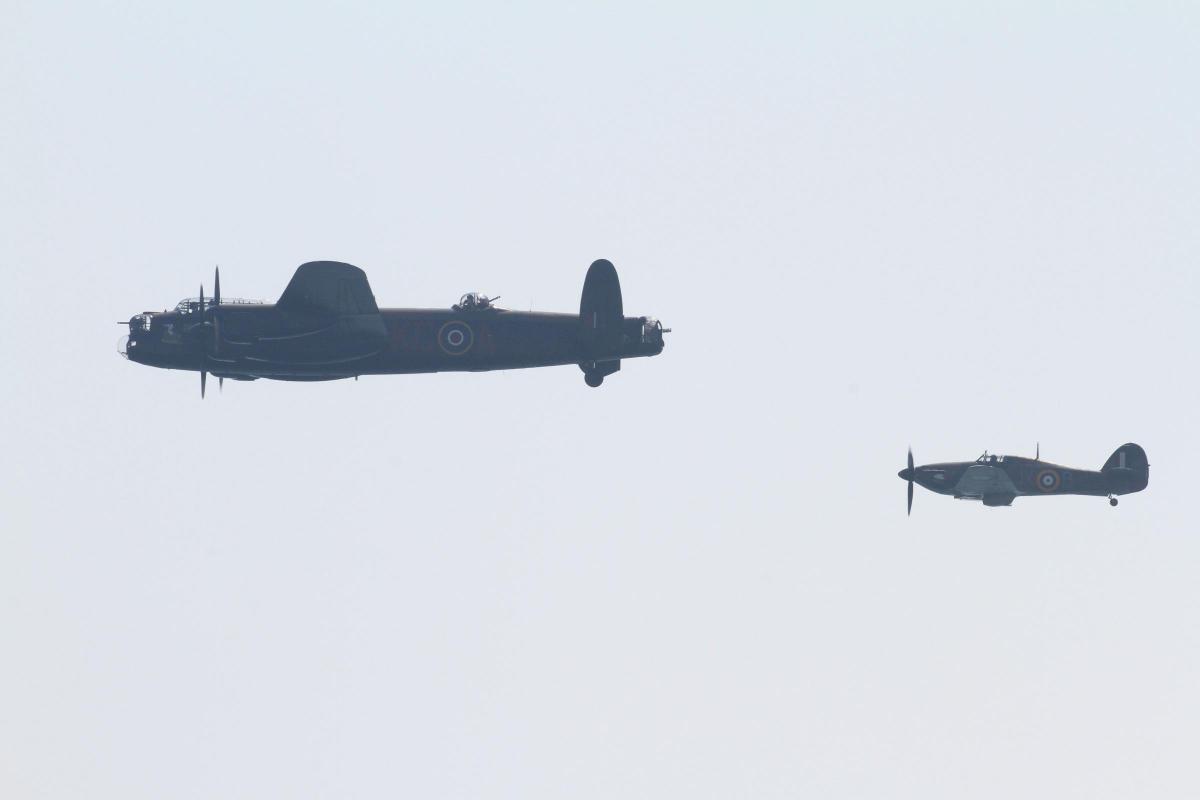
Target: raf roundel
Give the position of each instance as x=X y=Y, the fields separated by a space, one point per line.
x=456 y=338
x=1047 y=480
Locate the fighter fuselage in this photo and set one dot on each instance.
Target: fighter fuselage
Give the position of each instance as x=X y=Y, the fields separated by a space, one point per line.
x=998 y=480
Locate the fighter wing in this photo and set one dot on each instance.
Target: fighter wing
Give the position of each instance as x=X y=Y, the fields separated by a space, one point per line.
x=328 y=287
x=980 y=480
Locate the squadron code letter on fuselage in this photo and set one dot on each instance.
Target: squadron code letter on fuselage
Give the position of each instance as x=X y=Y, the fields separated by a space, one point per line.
x=326 y=326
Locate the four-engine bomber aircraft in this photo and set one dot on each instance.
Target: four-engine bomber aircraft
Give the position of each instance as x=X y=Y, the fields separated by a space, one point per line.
x=998 y=480
x=327 y=326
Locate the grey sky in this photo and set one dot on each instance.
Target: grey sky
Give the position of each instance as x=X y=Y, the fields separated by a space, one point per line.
x=959 y=228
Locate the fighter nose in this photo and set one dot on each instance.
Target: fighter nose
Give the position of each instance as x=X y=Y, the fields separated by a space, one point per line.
x=905 y=474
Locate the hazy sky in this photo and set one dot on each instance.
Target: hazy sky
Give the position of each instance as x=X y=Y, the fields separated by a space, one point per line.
x=952 y=226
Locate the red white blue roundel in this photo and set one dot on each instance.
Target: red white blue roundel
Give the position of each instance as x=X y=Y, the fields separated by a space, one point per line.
x=1047 y=480
x=456 y=338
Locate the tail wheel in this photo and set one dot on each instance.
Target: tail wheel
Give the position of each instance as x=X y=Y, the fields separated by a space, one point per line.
x=1112 y=501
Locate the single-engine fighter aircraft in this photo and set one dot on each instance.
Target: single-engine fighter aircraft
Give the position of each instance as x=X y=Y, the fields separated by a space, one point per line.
x=998 y=480
x=326 y=326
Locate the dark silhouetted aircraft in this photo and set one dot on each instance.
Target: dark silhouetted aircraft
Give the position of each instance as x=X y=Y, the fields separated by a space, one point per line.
x=326 y=326
x=998 y=480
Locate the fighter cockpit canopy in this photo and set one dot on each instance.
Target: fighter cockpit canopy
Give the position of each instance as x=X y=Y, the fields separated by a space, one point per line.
x=986 y=458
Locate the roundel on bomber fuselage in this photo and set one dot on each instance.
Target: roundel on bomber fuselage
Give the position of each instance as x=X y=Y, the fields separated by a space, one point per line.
x=455 y=338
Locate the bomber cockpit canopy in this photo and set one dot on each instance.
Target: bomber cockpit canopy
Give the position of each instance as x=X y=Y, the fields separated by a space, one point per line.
x=192 y=305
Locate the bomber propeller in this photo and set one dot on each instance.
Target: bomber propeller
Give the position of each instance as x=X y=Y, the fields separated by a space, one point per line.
x=216 y=321
x=204 y=355
x=208 y=342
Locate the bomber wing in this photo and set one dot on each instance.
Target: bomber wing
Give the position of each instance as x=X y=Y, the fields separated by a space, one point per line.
x=329 y=287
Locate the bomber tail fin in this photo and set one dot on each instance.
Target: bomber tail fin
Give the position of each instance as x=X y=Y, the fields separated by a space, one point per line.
x=601 y=316
x=600 y=306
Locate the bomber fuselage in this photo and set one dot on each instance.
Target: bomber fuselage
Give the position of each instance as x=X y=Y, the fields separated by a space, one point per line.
x=259 y=341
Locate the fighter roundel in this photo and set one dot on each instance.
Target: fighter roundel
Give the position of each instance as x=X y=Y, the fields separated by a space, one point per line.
x=1047 y=480
x=456 y=338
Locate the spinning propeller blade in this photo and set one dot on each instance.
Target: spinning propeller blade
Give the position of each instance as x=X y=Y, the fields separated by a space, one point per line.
x=910 y=481
x=210 y=331
x=203 y=355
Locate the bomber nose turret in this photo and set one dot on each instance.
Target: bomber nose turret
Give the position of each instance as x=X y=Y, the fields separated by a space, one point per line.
x=139 y=331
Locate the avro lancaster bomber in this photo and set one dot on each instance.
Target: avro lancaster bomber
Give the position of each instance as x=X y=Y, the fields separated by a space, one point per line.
x=326 y=326
x=998 y=480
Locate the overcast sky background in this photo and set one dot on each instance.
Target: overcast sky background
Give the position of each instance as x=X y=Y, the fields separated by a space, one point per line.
x=960 y=228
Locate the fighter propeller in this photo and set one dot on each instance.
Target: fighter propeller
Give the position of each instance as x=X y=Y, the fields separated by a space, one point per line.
x=908 y=473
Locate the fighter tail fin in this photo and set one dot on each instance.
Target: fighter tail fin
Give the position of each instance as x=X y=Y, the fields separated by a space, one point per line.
x=1127 y=469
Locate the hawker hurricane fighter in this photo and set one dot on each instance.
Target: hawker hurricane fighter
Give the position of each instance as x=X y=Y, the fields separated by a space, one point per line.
x=998 y=480
x=326 y=326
